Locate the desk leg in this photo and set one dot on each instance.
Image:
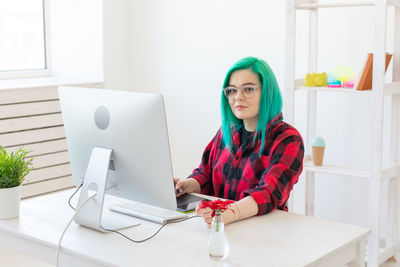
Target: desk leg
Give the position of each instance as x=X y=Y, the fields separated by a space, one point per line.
x=359 y=260
x=310 y=195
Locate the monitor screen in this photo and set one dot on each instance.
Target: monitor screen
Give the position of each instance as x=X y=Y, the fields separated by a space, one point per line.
x=133 y=125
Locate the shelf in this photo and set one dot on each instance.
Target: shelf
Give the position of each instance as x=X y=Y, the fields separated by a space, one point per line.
x=370 y=169
x=384 y=253
x=308 y=6
x=388 y=89
x=390 y=173
x=395 y=3
x=336 y=4
x=335 y=169
x=387 y=173
x=329 y=89
x=391 y=88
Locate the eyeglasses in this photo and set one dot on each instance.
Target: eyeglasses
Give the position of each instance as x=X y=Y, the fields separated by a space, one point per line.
x=248 y=91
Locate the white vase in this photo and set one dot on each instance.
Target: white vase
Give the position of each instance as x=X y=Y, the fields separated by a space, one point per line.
x=10 y=199
x=218 y=244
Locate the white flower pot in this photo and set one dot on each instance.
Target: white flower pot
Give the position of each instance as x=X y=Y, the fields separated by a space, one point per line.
x=9 y=202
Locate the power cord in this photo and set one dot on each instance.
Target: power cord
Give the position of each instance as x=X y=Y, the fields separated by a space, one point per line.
x=69 y=200
x=140 y=241
x=69 y=223
x=114 y=231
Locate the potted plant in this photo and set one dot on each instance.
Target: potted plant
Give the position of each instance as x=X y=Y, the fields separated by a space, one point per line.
x=13 y=168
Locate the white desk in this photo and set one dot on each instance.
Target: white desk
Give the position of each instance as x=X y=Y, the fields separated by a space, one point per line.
x=276 y=239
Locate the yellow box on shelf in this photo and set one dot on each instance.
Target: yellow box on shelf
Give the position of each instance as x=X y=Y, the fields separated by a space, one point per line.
x=315 y=79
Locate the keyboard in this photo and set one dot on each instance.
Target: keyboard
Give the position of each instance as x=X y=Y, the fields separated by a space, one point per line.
x=148 y=212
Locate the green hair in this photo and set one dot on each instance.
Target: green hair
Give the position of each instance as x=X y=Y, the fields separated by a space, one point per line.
x=270 y=101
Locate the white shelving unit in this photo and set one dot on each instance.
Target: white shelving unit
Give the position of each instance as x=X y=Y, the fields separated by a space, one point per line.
x=380 y=246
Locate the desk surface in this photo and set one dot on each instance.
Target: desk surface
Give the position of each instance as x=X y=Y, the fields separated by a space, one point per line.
x=276 y=239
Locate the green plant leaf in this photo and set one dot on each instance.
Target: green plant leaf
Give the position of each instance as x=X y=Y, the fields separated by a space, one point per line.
x=14 y=167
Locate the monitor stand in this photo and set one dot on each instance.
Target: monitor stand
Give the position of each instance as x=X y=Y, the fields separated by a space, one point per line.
x=90 y=215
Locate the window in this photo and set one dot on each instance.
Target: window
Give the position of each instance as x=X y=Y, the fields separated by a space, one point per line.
x=22 y=38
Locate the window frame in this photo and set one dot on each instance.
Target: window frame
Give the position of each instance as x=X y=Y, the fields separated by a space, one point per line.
x=16 y=74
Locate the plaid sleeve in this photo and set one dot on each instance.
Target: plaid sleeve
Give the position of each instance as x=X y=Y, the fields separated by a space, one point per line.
x=203 y=174
x=280 y=175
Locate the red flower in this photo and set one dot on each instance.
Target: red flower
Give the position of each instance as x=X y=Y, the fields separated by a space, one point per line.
x=219 y=205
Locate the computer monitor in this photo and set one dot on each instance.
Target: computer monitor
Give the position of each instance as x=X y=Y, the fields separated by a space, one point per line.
x=117 y=143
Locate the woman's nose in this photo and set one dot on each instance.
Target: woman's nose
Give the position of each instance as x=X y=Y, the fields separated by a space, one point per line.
x=239 y=95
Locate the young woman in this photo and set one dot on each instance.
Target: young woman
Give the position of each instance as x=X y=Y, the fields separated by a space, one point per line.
x=255 y=158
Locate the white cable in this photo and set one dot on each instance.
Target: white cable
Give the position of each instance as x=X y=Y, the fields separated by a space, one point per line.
x=70 y=221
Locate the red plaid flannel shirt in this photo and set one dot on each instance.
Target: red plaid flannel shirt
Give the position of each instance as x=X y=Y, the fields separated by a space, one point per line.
x=240 y=171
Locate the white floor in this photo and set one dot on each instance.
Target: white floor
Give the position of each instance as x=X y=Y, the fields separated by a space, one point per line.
x=10 y=258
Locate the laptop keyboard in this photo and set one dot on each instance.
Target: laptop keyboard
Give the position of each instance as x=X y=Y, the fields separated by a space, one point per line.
x=148 y=212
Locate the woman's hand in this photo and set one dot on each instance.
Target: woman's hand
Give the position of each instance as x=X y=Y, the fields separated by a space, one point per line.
x=186 y=186
x=206 y=214
x=244 y=208
x=230 y=215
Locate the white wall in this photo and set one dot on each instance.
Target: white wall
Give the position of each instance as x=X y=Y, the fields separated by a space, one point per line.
x=117 y=43
x=183 y=48
x=75 y=39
